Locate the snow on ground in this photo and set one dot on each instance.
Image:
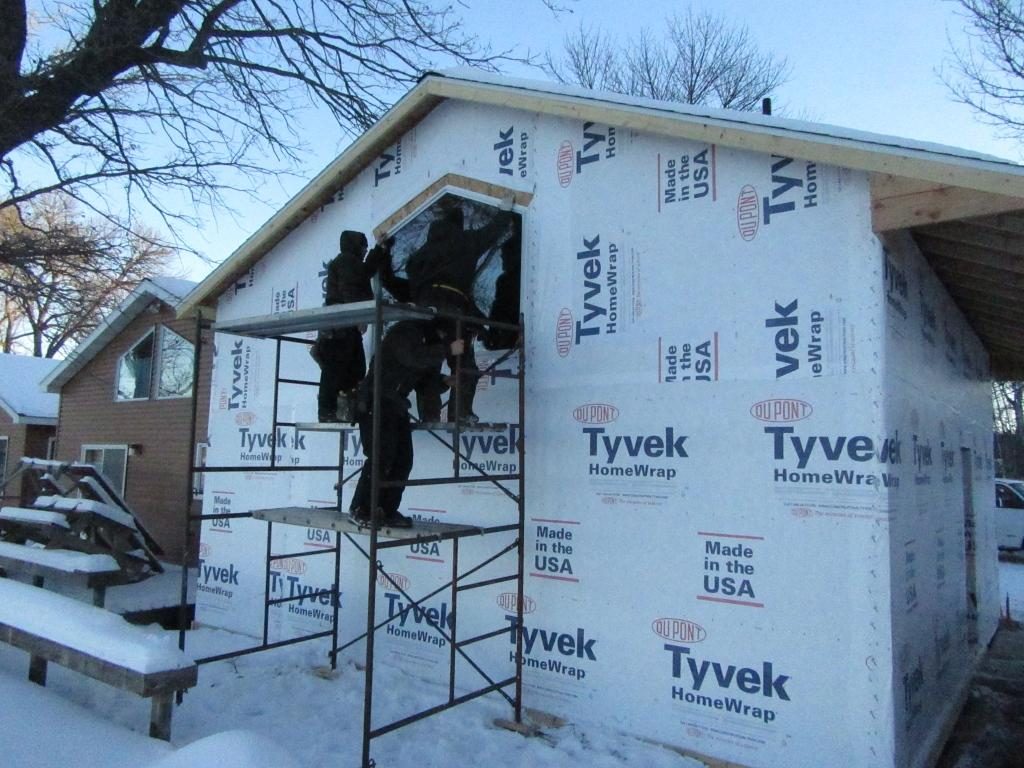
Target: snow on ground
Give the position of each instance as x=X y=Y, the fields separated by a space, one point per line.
x=252 y=710
x=273 y=710
x=1011 y=582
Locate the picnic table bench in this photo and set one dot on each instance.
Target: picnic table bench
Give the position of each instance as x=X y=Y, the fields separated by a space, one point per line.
x=95 y=643
x=97 y=572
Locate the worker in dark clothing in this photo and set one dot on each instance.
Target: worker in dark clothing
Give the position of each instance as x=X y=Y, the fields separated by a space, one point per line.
x=409 y=350
x=440 y=274
x=339 y=351
x=505 y=308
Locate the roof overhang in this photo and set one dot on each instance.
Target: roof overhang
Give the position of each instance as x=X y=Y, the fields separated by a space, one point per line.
x=965 y=210
x=26 y=418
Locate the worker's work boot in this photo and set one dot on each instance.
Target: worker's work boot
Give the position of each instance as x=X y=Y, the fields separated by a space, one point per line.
x=396 y=520
x=360 y=515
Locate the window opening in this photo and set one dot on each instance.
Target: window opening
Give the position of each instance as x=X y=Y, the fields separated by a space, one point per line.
x=176 y=362
x=486 y=260
x=110 y=460
x=158 y=365
x=134 y=370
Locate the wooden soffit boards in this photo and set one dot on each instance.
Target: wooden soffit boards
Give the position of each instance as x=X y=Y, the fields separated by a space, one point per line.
x=900 y=203
x=980 y=260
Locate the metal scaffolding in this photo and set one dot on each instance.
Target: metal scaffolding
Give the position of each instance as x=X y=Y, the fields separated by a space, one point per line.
x=375 y=313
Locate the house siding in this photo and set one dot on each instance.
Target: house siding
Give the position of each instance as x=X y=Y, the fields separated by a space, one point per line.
x=15 y=434
x=22 y=440
x=156 y=479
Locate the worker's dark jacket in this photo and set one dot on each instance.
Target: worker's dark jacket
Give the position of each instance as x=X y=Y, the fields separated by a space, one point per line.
x=348 y=279
x=409 y=350
x=450 y=256
x=340 y=350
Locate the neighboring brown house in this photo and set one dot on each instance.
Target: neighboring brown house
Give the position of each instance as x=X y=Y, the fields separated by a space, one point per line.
x=126 y=406
x=28 y=417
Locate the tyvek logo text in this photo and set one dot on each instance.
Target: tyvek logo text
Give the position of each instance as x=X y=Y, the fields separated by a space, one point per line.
x=706 y=678
x=575 y=647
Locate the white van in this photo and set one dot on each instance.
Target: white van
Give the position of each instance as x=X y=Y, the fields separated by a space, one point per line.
x=1010 y=517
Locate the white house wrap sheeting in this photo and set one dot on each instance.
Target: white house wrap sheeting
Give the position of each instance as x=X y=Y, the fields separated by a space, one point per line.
x=749 y=433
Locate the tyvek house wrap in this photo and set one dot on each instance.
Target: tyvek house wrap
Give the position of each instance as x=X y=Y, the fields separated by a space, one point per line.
x=720 y=482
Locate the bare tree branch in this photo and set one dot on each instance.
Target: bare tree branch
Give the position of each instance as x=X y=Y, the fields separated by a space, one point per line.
x=699 y=58
x=61 y=272
x=146 y=98
x=987 y=72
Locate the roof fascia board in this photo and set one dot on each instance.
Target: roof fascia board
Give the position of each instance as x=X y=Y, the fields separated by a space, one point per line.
x=15 y=416
x=409 y=110
x=875 y=156
x=828 y=149
x=38 y=421
x=25 y=418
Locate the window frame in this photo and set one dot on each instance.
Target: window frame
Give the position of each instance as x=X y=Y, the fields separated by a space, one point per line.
x=158 y=368
x=157 y=332
x=5 y=440
x=117 y=369
x=105 y=447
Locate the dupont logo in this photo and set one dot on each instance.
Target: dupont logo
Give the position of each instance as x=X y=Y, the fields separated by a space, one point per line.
x=391 y=580
x=679 y=630
x=507 y=601
x=748 y=213
x=781 y=410
x=595 y=413
x=563 y=332
x=564 y=165
x=245 y=418
x=293 y=565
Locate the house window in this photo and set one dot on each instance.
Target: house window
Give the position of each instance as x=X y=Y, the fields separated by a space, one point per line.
x=175 y=365
x=3 y=457
x=135 y=370
x=158 y=365
x=51 y=448
x=110 y=460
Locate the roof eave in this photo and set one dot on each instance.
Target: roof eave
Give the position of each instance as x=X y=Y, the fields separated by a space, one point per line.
x=995 y=176
x=410 y=109
x=37 y=421
x=1002 y=181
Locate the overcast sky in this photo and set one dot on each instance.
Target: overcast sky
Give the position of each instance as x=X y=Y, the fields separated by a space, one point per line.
x=866 y=64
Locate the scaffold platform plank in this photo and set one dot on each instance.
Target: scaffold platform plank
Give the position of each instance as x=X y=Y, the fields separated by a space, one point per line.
x=314 y=517
x=318 y=318
x=432 y=426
